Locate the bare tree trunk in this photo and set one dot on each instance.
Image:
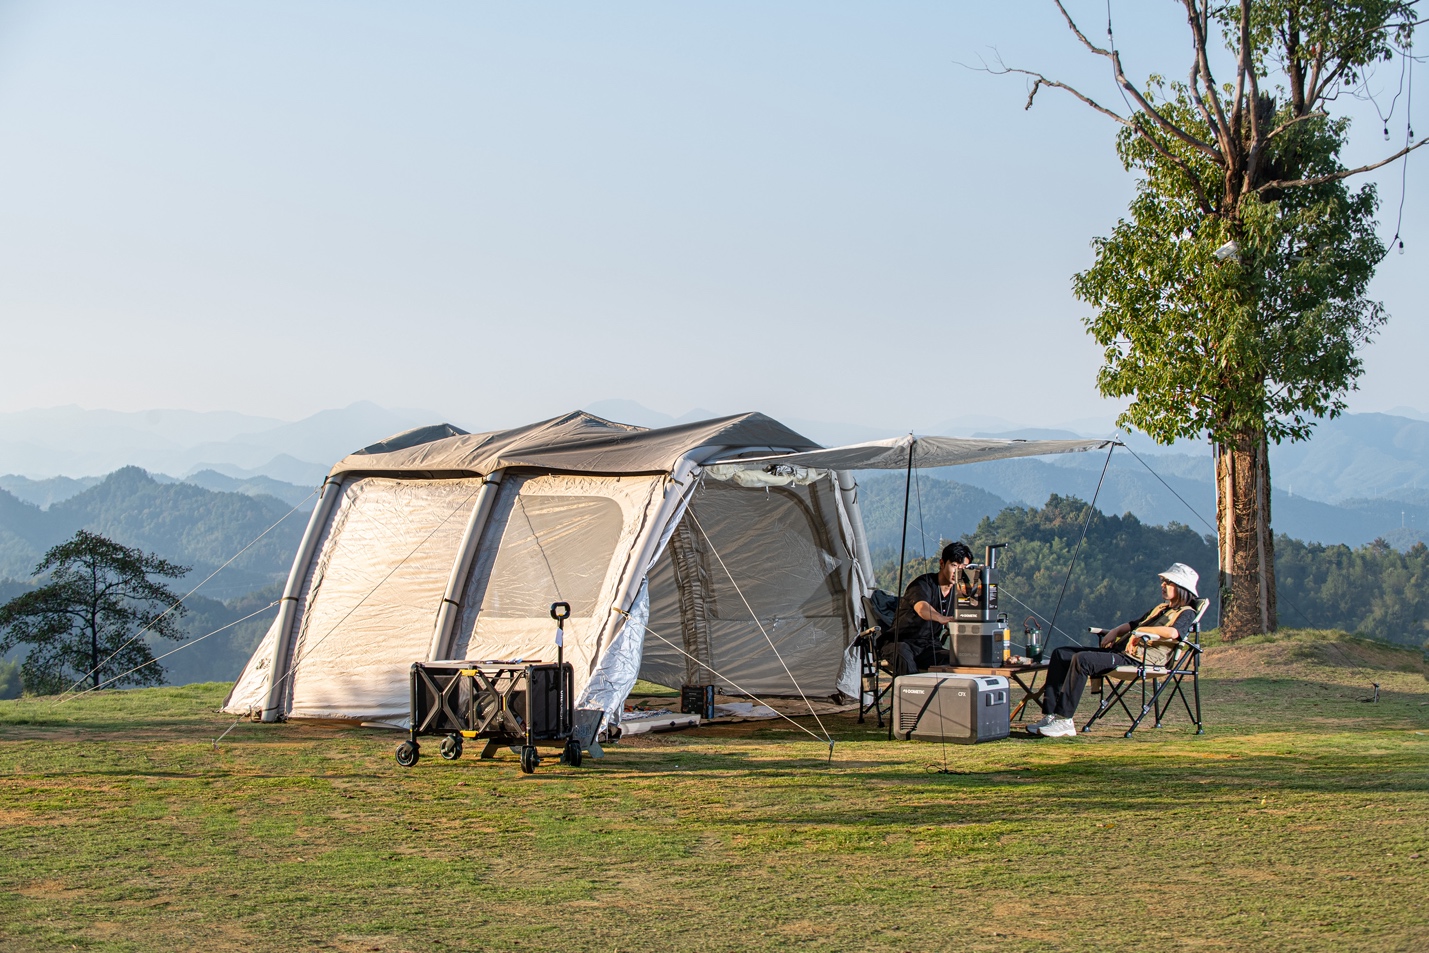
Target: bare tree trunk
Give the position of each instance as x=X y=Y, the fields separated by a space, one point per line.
x=1247 y=557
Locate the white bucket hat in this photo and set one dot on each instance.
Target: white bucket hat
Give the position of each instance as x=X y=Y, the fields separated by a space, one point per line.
x=1183 y=576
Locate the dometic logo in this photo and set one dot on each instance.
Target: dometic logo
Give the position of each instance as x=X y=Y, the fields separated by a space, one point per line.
x=913 y=691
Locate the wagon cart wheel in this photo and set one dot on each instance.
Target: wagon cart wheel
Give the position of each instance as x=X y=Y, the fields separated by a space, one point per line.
x=407 y=754
x=451 y=747
x=572 y=754
x=529 y=759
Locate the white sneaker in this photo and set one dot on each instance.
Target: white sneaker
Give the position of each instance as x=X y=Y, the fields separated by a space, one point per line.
x=1037 y=726
x=1058 y=728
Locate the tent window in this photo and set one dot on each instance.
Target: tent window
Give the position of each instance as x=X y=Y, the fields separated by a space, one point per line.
x=553 y=548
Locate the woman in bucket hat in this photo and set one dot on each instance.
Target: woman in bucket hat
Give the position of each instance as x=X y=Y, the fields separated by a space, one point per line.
x=1071 y=665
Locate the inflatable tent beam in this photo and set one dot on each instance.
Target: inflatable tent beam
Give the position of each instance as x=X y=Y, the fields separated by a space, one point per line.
x=282 y=645
x=476 y=524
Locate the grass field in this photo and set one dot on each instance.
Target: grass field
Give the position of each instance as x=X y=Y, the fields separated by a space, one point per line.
x=1299 y=821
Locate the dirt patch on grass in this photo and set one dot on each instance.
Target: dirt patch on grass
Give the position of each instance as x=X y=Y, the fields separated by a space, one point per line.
x=51 y=890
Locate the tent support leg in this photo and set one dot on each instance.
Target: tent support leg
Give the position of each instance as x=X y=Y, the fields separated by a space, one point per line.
x=902 y=548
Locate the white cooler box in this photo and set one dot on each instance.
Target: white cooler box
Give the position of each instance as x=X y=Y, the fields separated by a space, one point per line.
x=940 y=706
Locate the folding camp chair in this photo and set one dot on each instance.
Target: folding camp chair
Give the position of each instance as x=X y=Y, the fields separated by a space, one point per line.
x=876 y=674
x=1165 y=680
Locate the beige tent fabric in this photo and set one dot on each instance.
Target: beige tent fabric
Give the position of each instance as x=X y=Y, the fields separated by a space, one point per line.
x=745 y=570
x=577 y=443
x=372 y=595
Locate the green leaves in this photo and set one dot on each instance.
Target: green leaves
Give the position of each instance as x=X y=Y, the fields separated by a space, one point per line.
x=1264 y=338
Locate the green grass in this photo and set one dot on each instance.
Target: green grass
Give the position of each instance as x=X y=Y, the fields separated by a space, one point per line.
x=1298 y=821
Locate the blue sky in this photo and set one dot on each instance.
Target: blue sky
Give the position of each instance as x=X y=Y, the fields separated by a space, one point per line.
x=500 y=212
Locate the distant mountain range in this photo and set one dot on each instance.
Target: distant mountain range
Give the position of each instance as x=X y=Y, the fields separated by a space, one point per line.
x=1360 y=477
x=74 y=442
x=950 y=510
x=1129 y=488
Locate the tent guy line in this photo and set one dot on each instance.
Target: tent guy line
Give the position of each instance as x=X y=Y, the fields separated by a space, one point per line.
x=154 y=661
x=177 y=602
x=762 y=631
x=298 y=661
x=827 y=739
x=306 y=651
x=1204 y=521
x=1091 y=509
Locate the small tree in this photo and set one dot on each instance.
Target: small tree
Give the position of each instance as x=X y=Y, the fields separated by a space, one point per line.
x=10 y=684
x=1231 y=301
x=84 y=623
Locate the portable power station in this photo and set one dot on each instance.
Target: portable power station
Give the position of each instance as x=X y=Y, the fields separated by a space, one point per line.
x=962 y=709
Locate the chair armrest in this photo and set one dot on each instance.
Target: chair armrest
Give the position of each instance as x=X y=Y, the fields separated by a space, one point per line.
x=1146 y=638
x=1095 y=631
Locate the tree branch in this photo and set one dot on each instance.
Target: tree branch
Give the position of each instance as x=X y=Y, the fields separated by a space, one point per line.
x=1040 y=80
x=1340 y=57
x=1342 y=174
x=1071 y=25
x=1200 y=23
x=1315 y=91
x=1317 y=114
x=1247 y=68
x=1141 y=103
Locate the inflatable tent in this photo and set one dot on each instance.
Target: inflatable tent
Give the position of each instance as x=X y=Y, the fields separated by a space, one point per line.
x=727 y=552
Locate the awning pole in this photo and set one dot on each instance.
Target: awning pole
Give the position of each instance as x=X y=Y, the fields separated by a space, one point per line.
x=902 y=546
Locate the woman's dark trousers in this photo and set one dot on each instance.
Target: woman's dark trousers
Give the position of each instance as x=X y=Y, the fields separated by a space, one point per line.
x=1067 y=676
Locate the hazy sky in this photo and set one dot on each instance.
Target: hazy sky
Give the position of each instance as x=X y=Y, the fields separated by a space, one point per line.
x=504 y=211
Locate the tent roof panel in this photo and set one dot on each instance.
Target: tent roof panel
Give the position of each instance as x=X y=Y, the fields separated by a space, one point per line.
x=576 y=442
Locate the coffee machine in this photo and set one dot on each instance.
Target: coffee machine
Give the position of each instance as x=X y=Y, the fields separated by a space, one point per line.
x=979 y=635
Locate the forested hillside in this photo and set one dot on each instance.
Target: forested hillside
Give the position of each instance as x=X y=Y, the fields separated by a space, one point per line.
x=1130 y=487
x=937 y=509
x=182 y=522
x=1114 y=577
x=1373 y=590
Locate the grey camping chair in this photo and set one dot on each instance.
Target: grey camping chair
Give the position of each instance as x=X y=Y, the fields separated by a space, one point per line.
x=1165 y=682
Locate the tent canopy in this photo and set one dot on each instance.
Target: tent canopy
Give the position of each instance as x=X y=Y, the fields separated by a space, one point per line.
x=926 y=452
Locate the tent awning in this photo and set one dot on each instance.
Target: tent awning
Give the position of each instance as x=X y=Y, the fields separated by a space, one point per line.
x=893 y=453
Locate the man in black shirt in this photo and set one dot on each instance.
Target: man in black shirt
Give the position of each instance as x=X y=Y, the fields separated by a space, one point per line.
x=926 y=607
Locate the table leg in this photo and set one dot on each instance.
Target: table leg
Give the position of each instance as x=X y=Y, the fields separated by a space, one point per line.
x=1030 y=692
